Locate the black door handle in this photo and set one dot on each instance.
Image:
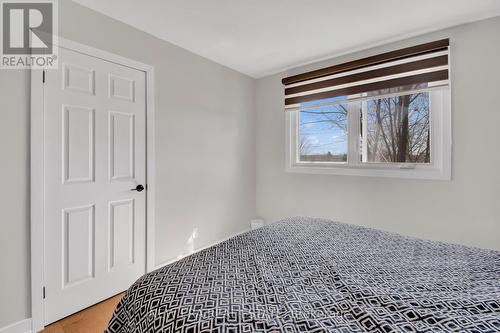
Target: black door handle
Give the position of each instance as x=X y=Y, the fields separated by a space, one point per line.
x=138 y=188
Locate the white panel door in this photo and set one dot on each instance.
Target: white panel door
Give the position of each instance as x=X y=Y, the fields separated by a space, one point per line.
x=95 y=155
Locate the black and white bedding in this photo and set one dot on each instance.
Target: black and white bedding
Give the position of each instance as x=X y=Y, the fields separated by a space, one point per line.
x=313 y=275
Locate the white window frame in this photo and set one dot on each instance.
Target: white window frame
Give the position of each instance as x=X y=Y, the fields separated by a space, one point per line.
x=441 y=148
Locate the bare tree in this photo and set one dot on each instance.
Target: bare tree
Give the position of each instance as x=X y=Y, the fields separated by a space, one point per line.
x=336 y=117
x=399 y=129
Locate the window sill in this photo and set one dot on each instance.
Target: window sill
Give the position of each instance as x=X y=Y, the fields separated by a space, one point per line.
x=386 y=171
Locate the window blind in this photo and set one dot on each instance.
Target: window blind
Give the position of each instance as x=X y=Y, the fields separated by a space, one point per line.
x=416 y=68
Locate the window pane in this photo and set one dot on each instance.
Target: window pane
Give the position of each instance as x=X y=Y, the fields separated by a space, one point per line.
x=322 y=134
x=396 y=129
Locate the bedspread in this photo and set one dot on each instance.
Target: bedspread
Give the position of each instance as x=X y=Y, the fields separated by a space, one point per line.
x=314 y=275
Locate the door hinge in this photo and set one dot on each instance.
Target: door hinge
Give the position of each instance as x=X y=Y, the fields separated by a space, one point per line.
x=43 y=76
x=43 y=292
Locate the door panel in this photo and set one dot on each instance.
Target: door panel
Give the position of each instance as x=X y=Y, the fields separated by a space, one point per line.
x=78 y=245
x=78 y=144
x=121 y=233
x=95 y=153
x=78 y=79
x=121 y=145
x=121 y=88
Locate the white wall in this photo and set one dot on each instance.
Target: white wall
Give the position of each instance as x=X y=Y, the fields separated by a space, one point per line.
x=465 y=210
x=205 y=149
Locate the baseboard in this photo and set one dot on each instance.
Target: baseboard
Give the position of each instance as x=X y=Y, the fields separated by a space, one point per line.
x=23 y=326
x=167 y=262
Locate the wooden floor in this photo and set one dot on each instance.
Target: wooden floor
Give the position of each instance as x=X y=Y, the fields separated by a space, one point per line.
x=91 y=320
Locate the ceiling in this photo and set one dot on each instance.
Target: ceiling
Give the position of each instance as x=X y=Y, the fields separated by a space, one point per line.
x=263 y=37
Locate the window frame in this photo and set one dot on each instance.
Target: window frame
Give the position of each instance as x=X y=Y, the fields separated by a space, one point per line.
x=441 y=147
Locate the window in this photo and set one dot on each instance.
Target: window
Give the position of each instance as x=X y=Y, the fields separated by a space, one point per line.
x=397 y=136
x=390 y=129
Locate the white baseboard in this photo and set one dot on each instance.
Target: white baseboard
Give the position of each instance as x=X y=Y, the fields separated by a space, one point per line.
x=23 y=326
x=167 y=262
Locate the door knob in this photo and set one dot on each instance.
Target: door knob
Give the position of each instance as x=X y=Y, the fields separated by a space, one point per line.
x=138 y=188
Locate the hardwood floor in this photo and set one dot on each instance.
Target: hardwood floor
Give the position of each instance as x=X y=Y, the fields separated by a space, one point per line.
x=91 y=320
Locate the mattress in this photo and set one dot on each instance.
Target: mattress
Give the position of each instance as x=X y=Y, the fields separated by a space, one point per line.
x=314 y=275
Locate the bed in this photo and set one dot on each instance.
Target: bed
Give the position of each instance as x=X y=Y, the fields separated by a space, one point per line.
x=314 y=275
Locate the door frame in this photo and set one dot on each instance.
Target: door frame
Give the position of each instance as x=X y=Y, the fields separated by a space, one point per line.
x=37 y=173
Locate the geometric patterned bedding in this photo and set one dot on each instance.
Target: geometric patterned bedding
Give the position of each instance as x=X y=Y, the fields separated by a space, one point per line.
x=315 y=275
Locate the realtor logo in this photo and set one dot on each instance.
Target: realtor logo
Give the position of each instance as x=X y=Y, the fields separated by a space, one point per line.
x=28 y=33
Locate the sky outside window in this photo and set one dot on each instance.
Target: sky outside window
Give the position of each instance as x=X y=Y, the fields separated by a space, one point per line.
x=323 y=131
